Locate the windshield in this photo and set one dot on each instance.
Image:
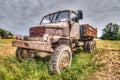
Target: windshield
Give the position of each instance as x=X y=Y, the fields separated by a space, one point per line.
x=56 y=17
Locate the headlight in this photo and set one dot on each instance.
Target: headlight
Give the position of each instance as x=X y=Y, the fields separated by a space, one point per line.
x=53 y=38
x=45 y=37
x=50 y=39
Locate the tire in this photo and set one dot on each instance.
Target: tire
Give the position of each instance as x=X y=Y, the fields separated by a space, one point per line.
x=22 y=53
x=89 y=46
x=18 y=53
x=94 y=44
x=60 y=59
x=85 y=47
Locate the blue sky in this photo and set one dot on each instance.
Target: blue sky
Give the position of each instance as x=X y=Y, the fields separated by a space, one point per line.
x=18 y=16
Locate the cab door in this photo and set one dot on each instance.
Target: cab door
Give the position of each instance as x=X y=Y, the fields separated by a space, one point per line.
x=74 y=26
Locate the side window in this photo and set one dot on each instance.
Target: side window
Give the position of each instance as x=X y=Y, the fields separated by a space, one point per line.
x=74 y=17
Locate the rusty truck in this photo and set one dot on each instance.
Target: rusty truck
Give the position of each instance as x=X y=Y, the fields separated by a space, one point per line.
x=57 y=36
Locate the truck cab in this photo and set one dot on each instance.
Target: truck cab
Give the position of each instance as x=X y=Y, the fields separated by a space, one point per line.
x=62 y=23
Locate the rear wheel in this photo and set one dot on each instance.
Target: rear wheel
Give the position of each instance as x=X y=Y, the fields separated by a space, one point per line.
x=61 y=58
x=85 y=47
x=90 y=46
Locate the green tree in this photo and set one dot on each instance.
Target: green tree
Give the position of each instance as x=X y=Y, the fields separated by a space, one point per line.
x=4 y=33
x=111 y=32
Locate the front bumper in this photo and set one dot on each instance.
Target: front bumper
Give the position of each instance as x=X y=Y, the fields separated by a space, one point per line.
x=38 y=45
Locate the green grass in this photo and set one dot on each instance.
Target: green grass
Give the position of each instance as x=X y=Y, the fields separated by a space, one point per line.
x=5 y=40
x=12 y=69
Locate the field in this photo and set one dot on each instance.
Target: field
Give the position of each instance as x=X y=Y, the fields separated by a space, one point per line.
x=102 y=64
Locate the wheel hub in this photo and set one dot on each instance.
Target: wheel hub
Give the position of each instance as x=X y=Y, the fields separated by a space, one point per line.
x=64 y=60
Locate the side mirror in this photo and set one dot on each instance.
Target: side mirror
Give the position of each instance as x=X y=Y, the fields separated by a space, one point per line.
x=80 y=15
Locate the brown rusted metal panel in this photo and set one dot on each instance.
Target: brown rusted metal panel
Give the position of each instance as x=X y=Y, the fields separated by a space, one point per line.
x=37 y=31
x=88 y=31
x=59 y=28
x=38 y=45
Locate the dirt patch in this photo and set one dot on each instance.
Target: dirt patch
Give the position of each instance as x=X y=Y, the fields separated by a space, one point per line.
x=109 y=62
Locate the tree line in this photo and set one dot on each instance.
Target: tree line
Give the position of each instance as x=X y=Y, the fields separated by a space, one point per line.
x=111 y=32
x=5 y=34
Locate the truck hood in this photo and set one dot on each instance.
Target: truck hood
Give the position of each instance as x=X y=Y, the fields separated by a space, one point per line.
x=39 y=31
x=58 y=29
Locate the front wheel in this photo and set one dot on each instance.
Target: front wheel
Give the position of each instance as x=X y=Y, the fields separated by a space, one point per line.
x=61 y=58
x=19 y=53
x=22 y=53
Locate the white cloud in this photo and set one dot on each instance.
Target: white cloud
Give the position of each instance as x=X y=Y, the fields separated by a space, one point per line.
x=19 y=15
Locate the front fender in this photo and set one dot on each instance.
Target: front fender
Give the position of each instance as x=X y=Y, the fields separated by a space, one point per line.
x=57 y=38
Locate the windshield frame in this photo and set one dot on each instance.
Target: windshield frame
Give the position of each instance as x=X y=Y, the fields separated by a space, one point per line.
x=59 y=12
